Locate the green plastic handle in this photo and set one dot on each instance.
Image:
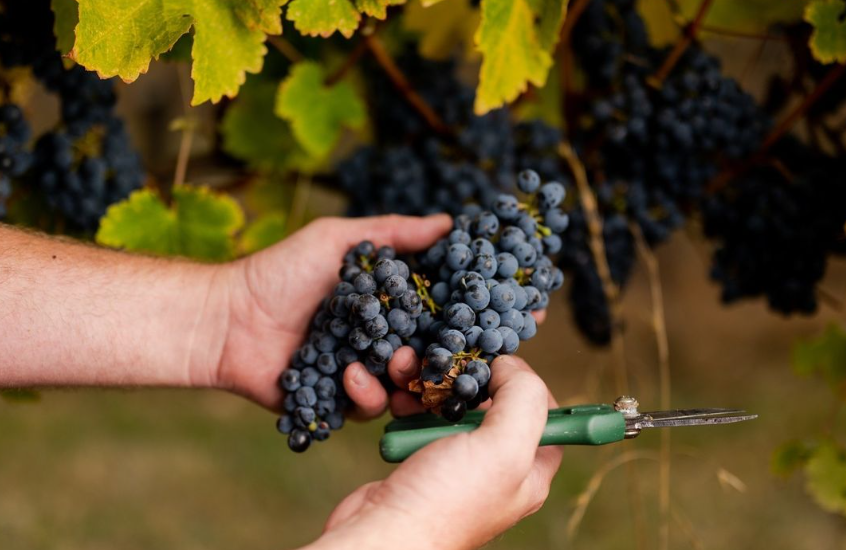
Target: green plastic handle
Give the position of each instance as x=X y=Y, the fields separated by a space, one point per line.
x=578 y=425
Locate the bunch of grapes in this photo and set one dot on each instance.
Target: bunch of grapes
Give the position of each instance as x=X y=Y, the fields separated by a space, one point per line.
x=466 y=300
x=88 y=162
x=15 y=159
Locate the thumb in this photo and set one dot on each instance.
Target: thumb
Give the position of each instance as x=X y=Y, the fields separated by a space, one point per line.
x=404 y=233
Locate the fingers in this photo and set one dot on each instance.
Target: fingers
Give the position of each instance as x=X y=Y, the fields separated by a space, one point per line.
x=404 y=367
x=404 y=233
x=540 y=316
x=517 y=416
x=366 y=392
x=405 y=404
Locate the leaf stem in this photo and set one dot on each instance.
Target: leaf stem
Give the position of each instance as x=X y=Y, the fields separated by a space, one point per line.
x=353 y=57
x=399 y=80
x=187 y=137
x=286 y=49
x=686 y=39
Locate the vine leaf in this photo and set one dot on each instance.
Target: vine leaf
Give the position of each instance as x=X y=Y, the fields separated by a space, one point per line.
x=121 y=37
x=515 y=51
x=826 y=477
x=253 y=134
x=263 y=232
x=441 y=27
x=824 y=355
x=66 y=16
x=828 y=41
x=200 y=224
x=317 y=113
x=791 y=456
x=376 y=8
x=323 y=17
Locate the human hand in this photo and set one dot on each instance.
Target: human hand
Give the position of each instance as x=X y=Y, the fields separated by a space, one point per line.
x=461 y=491
x=273 y=295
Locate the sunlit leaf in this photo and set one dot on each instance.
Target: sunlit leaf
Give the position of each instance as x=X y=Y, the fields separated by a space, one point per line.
x=66 y=16
x=826 y=477
x=317 y=112
x=323 y=17
x=265 y=231
x=199 y=224
x=442 y=27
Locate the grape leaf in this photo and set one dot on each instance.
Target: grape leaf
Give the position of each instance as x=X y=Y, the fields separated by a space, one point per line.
x=824 y=355
x=317 y=112
x=751 y=16
x=263 y=232
x=826 y=477
x=545 y=103
x=512 y=52
x=66 y=16
x=199 y=224
x=323 y=17
x=376 y=8
x=828 y=41
x=441 y=27
x=790 y=456
x=550 y=16
x=253 y=134
x=121 y=37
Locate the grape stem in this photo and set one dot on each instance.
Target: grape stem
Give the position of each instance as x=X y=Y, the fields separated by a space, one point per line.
x=687 y=37
x=353 y=57
x=187 y=137
x=659 y=326
x=383 y=58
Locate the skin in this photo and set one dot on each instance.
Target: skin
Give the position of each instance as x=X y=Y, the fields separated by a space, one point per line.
x=77 y=315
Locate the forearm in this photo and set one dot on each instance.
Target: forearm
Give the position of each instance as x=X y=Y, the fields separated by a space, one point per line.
x=72 y=314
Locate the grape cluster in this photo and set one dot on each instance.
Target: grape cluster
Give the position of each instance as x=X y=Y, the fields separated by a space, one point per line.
x=467 y=299
x=774 y=234
x=15 y=159
x=411 y=169
x=87 y=163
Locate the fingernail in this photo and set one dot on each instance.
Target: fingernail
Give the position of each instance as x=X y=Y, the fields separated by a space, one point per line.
x=359 y=377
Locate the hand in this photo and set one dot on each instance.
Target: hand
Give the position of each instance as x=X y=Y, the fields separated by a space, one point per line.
x=273 y=295
x=461 y=491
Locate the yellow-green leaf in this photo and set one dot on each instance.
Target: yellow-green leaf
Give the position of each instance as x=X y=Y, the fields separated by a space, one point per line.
x=199 y=224
x=253 y=134
x=265 y=231
x=441 y=27
x=376 y=8
x=828 y=41
x=512 y=53
x=826 y=477
x=791 y=456
x=66 y=16
x=121 y=37
x=323 y=17
x=550 y=16
x=317 y=112
x=545 y=103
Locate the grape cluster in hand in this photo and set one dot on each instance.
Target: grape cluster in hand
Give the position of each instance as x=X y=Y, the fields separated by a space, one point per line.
x=466 y=300
x=15 y=159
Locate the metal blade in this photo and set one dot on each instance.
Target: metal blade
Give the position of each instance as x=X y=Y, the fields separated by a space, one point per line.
x=692 y=421
x=689 y=413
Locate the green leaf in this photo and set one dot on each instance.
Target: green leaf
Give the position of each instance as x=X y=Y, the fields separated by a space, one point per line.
x=317 y=112
x=265 y=231
x=790 y=457
x=253 y=134
x=545 y=103
x=828 y=41
x=121 y=37
x=323 y=17
x=826 y=477
x=824 y=355
x=181 y=51
x=66 y=16
x=199 y=224
x=376 y=8
x=513 y=53
x=441 y=27
x=752 y=16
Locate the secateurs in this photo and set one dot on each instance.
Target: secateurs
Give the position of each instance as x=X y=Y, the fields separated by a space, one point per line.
x=577 y=425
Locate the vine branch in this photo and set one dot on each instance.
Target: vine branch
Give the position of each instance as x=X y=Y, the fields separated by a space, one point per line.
x=399 y=80
x=722 y=179
x=686 y=39
x=348 y=63
x=286 y=49
x=659 y=326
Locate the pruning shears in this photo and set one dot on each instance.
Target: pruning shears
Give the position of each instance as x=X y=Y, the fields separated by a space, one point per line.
x=577 y=425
